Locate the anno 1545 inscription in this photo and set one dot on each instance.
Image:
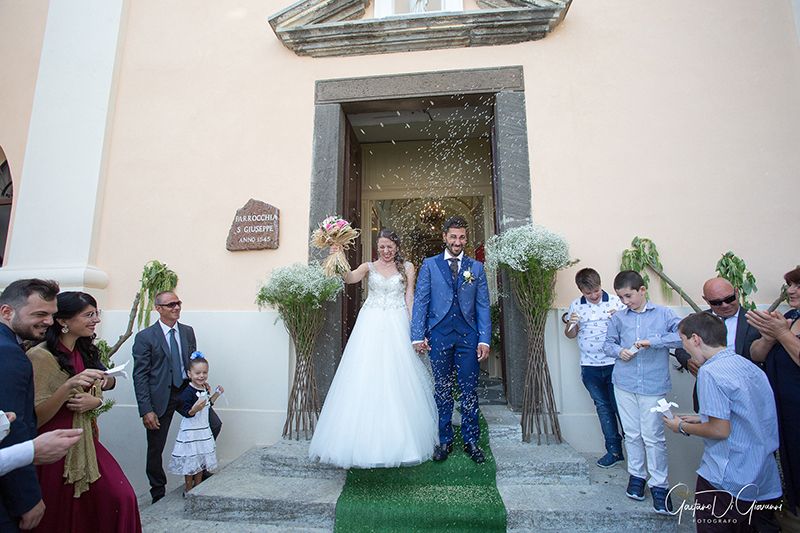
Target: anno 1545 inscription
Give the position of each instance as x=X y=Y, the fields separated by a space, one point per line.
x=255 y=227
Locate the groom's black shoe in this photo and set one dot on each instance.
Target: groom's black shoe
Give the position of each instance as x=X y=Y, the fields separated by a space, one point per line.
x=440 y=453
x=474 y=452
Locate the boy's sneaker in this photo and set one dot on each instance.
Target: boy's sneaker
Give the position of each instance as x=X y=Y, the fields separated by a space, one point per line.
x=662 y=503
x=635 y=488
x=609 y=460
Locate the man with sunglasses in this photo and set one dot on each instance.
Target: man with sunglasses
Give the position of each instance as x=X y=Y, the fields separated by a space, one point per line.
x=723 y=301
x=161 y=356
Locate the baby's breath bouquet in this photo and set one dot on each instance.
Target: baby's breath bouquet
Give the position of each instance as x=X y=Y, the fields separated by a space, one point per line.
x=338 y=231
x=532 y=255
x=298 y=292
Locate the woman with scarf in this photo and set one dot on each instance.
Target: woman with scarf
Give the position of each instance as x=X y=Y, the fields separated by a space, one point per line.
x=87 y=490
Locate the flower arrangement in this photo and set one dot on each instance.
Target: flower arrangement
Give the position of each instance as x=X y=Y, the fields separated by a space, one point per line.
x=335 y=231
x=533 y=255
x=298 y=292
x=296 y=286
x=517 y=248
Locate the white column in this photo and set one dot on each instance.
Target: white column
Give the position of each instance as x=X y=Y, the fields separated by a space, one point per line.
x=59 y=195
x=796 y=11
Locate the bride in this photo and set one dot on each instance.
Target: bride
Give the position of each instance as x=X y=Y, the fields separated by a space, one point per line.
x=380 y=410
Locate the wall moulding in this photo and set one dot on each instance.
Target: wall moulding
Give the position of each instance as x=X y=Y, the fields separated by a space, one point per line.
x=420 y=84
x=323 y=28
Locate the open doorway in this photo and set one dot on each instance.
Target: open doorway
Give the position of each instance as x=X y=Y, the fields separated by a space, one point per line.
x=432 y=122
x=420 y=162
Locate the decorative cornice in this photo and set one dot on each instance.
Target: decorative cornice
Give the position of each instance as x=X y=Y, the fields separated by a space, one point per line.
x=71 y=277
x=322 y=28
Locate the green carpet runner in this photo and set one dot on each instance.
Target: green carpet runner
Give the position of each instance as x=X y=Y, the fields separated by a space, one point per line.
x=454 y=495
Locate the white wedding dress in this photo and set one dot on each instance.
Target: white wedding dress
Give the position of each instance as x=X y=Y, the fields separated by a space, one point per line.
x=380 y=410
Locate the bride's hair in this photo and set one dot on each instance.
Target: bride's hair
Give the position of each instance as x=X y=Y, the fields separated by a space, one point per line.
x=399 y=260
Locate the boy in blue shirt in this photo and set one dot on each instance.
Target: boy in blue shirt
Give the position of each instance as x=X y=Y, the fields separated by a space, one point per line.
x=640 y=337
x=739 y=427
x=588 y=320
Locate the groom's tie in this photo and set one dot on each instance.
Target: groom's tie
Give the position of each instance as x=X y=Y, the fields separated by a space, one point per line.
x=454 y=267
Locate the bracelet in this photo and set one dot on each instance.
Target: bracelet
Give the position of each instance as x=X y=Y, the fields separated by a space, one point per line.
x=680 y=428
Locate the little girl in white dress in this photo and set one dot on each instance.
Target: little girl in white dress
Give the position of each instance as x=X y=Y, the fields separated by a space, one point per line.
x=379 y=411
x=195 y=449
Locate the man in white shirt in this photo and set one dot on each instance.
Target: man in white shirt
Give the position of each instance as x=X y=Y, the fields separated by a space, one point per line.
x=160 y=359
x=46 y=448
x=723 y=301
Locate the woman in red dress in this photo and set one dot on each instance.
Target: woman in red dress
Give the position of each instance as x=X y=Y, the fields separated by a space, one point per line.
x=87 y=490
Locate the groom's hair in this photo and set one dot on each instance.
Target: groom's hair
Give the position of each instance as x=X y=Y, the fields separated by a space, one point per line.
x=454 y=222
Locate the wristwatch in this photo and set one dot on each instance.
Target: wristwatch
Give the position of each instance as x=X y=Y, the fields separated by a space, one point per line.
x=680 y=428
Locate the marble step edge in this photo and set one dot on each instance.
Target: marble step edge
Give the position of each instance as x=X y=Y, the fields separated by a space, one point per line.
x=597 y=507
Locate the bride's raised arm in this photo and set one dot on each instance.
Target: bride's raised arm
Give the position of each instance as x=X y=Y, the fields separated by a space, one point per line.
x=409 y=287
x=354 y=276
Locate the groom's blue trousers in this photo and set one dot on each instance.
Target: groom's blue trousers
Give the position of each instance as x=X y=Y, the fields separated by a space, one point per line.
x=453 y=347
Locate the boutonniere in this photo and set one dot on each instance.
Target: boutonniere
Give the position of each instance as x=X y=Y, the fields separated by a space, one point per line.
x=468 y=277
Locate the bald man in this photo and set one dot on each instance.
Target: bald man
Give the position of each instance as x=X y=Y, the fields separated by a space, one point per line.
x=723 y=301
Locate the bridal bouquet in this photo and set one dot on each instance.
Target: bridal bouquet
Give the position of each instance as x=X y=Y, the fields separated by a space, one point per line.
x=338 y=231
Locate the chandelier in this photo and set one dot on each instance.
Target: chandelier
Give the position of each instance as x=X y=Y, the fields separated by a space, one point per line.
x=432 y=212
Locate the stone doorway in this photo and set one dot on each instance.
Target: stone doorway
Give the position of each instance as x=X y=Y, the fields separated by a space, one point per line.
x=454 y=112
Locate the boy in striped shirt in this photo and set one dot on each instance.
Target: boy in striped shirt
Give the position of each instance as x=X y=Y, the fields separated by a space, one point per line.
x=738 y=474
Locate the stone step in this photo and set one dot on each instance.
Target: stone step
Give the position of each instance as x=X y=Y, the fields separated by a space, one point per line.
x=243 y=492
x=289 y=458
x=166 y=516
x=547 y=487
x=521 y=463
x=524 y=463
x=596 y=508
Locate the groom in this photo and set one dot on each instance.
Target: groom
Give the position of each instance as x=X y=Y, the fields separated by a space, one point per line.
x=451 y=319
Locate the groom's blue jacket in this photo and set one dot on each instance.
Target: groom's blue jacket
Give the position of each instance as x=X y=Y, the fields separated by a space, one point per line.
x=435 y=292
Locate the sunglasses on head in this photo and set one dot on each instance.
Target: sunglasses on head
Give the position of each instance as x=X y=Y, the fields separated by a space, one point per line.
x=727 y=300
x=171 y=305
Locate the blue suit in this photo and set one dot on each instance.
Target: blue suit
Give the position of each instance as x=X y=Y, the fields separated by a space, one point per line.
x=454 y=316
x=19 y=489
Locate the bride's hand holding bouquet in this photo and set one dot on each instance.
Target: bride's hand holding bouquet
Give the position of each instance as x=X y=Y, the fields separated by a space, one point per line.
x=337 y=234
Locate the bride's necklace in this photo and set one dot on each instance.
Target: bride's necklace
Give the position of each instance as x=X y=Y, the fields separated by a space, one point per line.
x=385 y=267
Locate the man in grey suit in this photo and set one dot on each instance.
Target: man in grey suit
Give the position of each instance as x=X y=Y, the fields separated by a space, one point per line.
x=723 y=300
x=161 y=357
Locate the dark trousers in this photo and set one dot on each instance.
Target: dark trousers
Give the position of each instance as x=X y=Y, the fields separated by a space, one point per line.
x=157 y=439
x=718 y=511
x=597 y=380
x=457 y=351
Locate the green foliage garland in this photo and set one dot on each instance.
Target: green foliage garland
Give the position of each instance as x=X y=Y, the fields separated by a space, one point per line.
x=733 y=268
x=105 y=358
x=643 y=255
x=156 y=277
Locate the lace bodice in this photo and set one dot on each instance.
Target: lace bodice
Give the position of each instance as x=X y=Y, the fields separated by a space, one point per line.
x=385 y=293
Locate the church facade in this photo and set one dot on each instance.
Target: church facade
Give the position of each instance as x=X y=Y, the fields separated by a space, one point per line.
x=132 y=131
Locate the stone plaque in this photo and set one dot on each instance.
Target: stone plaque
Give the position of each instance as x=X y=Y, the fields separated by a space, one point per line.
x=255 y=227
